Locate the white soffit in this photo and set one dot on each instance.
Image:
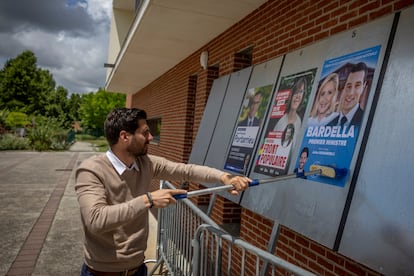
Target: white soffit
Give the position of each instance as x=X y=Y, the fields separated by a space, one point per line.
x=167 y=32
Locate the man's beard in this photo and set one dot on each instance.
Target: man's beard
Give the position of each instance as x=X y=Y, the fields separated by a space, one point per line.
x=136 y=151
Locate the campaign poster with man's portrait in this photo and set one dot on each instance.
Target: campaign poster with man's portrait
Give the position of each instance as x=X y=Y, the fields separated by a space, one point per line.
x=250 y=121
x=284 y=124
x=338 y=109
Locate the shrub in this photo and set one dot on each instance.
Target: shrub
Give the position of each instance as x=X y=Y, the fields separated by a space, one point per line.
x=47 y=134
x=11 y=142
x=17 y=119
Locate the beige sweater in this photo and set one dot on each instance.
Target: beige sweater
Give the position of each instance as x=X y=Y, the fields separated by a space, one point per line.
x=114 y=217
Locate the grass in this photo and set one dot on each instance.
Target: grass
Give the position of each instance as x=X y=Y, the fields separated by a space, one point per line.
x=100 y=143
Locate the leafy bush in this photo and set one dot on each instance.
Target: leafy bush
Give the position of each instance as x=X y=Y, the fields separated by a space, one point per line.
x=11 y=142
x=47 y=134
x=17 y=119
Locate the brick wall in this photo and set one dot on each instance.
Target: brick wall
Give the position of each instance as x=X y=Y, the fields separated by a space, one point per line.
x=297 y=249
x=276 y=28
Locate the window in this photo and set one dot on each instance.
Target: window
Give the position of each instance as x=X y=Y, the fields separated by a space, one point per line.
x=154 y=125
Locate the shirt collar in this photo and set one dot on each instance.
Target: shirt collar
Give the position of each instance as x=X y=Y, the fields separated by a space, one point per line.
x=119 y=166
x=350 y=114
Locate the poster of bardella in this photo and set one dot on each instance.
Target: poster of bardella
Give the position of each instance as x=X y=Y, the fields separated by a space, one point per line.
x=338 y=109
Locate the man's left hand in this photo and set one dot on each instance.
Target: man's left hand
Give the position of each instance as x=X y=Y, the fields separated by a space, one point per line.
x=239 y=182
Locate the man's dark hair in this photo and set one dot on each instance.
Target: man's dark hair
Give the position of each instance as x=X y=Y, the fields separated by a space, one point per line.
x=251 y=100
x=305 y=149
x=360 y=66
x=122 y=119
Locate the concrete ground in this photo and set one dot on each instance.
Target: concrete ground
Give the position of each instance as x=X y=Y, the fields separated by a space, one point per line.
x=40 y=229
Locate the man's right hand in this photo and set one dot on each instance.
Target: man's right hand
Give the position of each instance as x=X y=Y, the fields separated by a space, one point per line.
x=164 y=197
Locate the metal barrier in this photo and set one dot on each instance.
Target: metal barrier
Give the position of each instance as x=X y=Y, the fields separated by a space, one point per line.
x=177 y=224
x=218 y=253
x=191 y=243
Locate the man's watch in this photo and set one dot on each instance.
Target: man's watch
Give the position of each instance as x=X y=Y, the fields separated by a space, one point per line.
x=151 y=202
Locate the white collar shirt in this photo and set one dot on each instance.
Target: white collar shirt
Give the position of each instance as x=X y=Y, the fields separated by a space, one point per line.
x=119 y=166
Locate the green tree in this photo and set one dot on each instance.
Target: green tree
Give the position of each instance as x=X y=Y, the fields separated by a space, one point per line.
x=23 y=86
x=74 y=103
x=96 y=106
x=58 y=106
x=4 y=113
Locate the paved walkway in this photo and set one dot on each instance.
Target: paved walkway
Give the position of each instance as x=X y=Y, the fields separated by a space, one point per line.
x=40 y=229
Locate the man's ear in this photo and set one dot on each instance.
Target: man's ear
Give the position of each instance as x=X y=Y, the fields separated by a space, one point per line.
x=123 y=135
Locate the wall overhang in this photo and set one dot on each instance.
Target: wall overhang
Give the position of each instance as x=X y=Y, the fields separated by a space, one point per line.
x=165 y=32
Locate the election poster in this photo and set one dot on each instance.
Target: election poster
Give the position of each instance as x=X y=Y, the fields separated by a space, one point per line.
x=250 y=121
x=338 y=108
x=284 y=123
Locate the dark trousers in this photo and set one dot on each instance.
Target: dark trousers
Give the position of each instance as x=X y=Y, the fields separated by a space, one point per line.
x=141 y=272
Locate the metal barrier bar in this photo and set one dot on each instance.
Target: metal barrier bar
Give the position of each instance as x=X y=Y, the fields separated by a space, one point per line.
x=191 y=243
x=206 y=232
x=177 y=224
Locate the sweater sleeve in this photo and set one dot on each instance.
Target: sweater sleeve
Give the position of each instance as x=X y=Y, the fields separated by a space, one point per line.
x=97 y=214
x=168 y=170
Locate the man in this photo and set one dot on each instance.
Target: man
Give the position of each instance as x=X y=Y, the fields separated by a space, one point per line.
x=351 y=113
x=304 y=155
x=254 y=103
x=114 y=198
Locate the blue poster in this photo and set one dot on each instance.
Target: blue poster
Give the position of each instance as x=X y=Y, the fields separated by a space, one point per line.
x=338 y=108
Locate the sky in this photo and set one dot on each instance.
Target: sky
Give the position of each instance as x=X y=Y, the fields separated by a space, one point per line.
x=70 y=38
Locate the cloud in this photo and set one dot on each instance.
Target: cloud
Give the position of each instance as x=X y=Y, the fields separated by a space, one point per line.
x=69 y=38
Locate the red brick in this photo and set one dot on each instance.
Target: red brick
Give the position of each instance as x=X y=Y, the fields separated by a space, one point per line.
x=340 y=271
x=288 y=233
x=338 y=29
x=309 y=253
x=358 y=21
x=318 y=249
x=381 y=12
x=300 y=258
x=324 y=263
x=354 y=268
x=369 y=7
x=302 y=241
x=402 y=4
x=316 y=268
x=335 y=258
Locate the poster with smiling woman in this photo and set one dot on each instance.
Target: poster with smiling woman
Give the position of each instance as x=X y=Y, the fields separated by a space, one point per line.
x=285 y=121
x=337 y=111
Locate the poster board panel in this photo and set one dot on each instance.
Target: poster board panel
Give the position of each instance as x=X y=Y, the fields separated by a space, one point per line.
x=227 y=117
x=379 y=231
x=313 y=208
x=255 y=103
x=251 y=116
x=209 y=121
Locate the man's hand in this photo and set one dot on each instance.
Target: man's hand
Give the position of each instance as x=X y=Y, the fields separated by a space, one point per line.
x=240 y=183
x=162 y=198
